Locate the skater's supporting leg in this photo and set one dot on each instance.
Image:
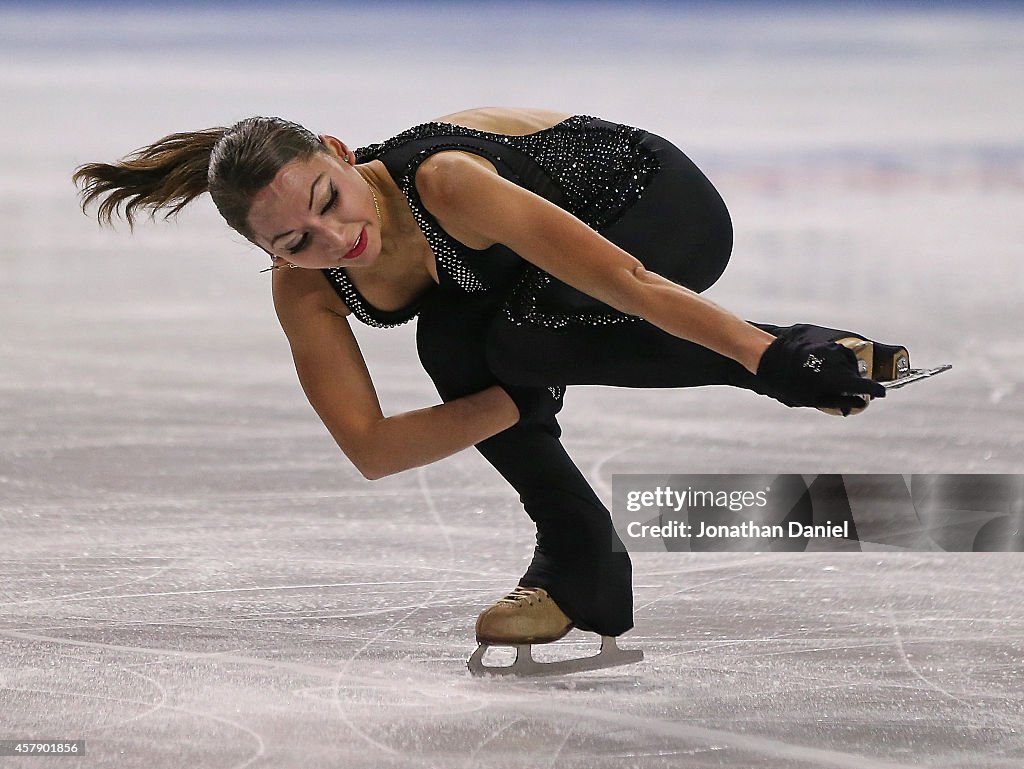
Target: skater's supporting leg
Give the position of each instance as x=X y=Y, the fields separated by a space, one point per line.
x=574 y=559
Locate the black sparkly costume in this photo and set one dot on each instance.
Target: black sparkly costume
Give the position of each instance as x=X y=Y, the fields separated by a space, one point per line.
x=496 y=319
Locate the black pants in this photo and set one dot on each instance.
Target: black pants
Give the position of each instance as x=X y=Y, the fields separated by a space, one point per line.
x=680 y=229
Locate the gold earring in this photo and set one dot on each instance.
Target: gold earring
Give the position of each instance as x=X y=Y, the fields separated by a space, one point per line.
x=280 y=267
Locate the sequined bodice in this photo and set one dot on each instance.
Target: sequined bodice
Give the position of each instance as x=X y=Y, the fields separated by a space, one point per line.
x=592 y=168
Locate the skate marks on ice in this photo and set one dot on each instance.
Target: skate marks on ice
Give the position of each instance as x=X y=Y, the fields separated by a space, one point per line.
x=342 y=682
x=743 y=658
x=538 y=713
x=751 y=660
x=483 y=706
x=218 y=673
x=100 y=700
x=925 y=678
x=82 y=567
x=721 y=740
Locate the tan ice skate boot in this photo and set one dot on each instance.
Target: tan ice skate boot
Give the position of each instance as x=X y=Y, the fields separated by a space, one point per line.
x=878 y=362
x=526 y=616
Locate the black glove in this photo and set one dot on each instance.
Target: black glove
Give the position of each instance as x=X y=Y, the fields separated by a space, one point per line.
x=537 y=405
x=819 y=374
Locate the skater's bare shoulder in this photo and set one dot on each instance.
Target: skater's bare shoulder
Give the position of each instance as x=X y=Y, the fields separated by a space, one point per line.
x=511 y=121
x=443 y=180
x=301 y=294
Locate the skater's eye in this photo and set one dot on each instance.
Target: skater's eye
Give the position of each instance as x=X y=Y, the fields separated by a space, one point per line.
x=303 y=242
x=331 y=202
x=332 y=199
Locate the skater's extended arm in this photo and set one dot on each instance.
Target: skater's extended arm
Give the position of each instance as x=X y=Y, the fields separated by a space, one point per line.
x=336 y=381
x=480 y=208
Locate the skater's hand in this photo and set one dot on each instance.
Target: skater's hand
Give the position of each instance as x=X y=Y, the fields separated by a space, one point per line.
x=823 y=375
x=537 y=405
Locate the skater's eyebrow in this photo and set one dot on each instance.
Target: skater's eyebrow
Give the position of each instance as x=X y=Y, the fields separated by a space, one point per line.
x=312 y=192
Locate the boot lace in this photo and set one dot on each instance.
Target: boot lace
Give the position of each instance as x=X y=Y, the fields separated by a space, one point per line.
x=521 y=594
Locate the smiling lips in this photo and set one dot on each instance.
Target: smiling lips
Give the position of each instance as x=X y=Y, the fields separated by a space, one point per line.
x=359 y=247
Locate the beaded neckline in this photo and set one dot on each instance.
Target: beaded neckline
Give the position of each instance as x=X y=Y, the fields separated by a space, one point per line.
x=362 y=309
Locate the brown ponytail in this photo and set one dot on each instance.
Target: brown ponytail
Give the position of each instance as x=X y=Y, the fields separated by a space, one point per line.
x=233 y=164
x=167 y=174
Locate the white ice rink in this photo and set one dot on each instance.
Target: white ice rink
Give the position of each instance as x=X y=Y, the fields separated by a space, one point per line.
x=192 y=575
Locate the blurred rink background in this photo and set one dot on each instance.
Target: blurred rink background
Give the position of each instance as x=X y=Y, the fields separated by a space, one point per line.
x=192 y=574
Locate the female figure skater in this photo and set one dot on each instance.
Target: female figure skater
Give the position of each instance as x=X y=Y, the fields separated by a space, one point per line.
x=539 y=250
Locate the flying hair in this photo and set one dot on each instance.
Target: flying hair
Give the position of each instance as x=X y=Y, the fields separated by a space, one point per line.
x=232 y=164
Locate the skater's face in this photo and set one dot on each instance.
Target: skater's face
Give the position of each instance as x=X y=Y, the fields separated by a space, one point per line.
x=317 y=212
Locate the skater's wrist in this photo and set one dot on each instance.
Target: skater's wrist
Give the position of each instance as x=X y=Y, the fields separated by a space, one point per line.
x=753 y=350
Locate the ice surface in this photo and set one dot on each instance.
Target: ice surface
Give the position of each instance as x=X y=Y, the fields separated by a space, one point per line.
x=192 y=575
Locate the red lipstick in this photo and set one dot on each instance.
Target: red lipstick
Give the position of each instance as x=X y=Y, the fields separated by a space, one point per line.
x=358 y=248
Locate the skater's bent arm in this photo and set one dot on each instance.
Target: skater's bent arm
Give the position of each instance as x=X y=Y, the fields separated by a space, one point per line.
x=336 y=381
x=480 y=208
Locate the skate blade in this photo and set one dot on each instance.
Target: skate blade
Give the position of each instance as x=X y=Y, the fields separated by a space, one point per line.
x=526 y=666
x=915 y=375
